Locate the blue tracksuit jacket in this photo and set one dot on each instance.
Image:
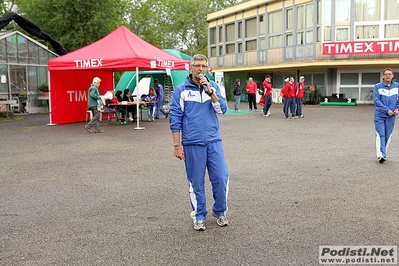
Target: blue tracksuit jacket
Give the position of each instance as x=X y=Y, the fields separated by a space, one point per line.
x=194 y=114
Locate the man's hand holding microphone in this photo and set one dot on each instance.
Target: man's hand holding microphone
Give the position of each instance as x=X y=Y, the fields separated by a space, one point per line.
x=206 y=87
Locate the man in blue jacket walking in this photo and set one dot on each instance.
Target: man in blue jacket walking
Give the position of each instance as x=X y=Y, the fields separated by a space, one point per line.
x=196 y=135
x=385 y=96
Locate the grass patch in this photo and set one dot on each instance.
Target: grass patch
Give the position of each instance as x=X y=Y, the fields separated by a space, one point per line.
x=5 y=132
x=29 y=128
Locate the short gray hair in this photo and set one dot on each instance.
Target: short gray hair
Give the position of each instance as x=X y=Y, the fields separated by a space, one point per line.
x=96 y=80
x=198 y=57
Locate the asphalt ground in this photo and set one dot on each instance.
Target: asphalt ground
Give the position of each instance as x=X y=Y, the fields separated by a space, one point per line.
x=68 y=197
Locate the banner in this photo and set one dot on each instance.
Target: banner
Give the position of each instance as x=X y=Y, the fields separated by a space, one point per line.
x=364 y=47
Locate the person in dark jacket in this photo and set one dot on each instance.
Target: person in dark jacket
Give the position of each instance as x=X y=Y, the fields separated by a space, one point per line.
x=94 y=104
x=237 y=95
x=131 y=110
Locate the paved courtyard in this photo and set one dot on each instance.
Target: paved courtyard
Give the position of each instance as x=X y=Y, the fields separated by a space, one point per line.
x=68 y=197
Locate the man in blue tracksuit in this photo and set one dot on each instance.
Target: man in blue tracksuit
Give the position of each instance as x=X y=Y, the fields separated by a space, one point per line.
x=194 y=108
x=385 y=96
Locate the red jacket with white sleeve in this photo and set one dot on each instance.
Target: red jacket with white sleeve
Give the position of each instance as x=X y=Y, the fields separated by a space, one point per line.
x=267 y=88
x=300 y=90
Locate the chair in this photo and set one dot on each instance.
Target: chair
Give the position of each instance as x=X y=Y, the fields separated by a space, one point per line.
x=108 y=116
x=89 y=112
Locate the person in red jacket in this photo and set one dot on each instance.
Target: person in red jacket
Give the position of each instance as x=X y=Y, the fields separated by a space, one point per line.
x=251 y=89
x=289 y=97
x=300 y=93
x=283 y=93
x=267 y=95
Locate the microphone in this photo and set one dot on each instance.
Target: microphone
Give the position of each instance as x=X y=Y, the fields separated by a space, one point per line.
x=204 y=87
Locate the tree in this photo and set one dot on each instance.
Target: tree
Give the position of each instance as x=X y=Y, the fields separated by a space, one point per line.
x=75 y=23
x=6 y=6
x=175 y=24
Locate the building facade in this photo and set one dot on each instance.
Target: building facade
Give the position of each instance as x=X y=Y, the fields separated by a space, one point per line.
x=339 y=45
x=23 y=69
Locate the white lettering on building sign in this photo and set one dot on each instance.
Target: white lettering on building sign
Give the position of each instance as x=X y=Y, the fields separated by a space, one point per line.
x=88 y=63
x=367 y=47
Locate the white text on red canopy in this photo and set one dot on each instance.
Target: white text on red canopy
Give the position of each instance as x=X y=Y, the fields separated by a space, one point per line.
x=366 y=47
x=83 y=63
x=97 y=62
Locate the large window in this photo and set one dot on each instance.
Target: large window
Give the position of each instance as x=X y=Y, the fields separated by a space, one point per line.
x=376 y=19
x=213 y=51
x=367 y=10
x=276 y=41
x=22 y=49
x=230 y=32
x=392 y=31
x=250 y=45
x=250 y=27
x=367 y=32
x=276 y=29
x=12 y=49
x=391 y=10
x=349 y=78
x=230 y=48
x=212 y=36
x=342 y=11
x=275 y=24
x=304 y=24
x=288 y=19
x=33 y=53
x=342 y=34
x=288 y=40
x=262 y=44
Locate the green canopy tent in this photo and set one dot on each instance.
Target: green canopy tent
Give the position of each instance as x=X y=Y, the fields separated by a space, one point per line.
x=176 y=77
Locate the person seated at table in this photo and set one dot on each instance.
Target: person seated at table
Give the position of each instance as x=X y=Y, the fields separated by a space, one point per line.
x=131 y=110
x=109 y=98
x=152 y=98
x=118 y=95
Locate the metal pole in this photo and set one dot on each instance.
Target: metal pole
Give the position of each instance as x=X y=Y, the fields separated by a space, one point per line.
x=138 y=101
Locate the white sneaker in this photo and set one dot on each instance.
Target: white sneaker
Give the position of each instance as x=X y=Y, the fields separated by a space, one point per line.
x=199 y=225
x=130 y=119
x=267 y=114
x=221 y=220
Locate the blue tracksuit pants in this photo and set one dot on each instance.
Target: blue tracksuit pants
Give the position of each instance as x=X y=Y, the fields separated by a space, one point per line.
x=197 y=159
x=383 y=127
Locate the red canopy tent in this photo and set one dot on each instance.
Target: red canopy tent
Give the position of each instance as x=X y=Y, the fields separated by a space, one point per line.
x=71 y=75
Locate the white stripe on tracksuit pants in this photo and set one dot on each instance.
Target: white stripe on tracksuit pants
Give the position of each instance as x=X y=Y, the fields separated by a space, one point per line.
x=198 y=158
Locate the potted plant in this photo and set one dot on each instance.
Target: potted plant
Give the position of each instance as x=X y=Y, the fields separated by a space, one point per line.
x=44 y=89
